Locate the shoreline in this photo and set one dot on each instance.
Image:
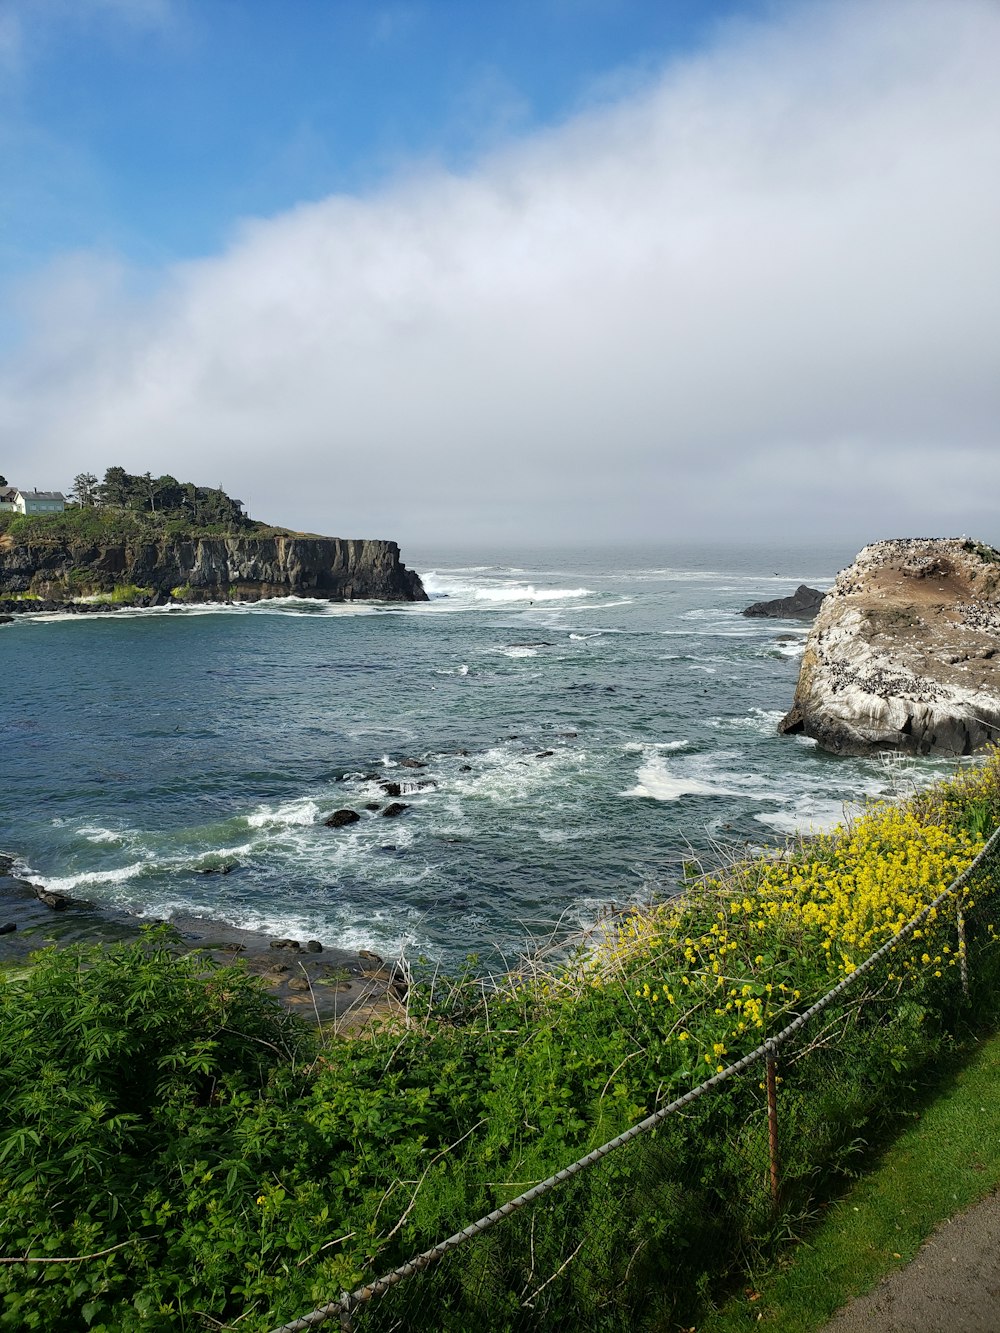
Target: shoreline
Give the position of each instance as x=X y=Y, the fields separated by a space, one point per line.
x=323 y=983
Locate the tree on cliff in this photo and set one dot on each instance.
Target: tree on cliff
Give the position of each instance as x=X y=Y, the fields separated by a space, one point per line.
x=3 y=481
x=166 y=497
x=116 y=488
x=84 y=490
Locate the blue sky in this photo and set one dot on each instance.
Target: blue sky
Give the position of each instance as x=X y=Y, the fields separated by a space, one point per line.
x=149 y=127
x=571 y=270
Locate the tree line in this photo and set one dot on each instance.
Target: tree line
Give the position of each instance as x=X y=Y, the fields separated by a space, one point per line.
x=157 y=495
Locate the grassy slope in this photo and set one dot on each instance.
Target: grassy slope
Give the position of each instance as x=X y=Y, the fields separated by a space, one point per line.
x=947 y=1159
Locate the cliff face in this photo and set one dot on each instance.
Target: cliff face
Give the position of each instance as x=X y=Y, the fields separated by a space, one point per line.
x=242 y=567
x=905 y=652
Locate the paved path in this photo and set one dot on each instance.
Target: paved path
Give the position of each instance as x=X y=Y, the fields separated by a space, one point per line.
x=952 y=1286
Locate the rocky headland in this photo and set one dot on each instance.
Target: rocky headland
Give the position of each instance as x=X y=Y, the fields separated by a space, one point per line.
x=58 y=568
x=905 y=652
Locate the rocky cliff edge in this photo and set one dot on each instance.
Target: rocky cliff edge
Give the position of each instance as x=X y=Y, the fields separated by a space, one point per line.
x=242 y=567
x=905 y=652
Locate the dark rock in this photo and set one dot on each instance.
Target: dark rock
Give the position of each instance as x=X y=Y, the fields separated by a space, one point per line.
x=6 y=861
x=8 y=928
x=465 y=768
x=251 y=563
x=6 y=620
x=395 y=809
x=314 y=946
x=544 y=754
x=340 y=818
x=369 y=957
x=412 y=763
x=392 y=789
x=57 y=901
x=803 y=604
x=285 y=944
x=225 y=869
x=372 y=805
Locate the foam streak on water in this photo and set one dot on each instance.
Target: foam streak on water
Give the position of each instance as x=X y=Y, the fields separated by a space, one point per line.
x=562 y=730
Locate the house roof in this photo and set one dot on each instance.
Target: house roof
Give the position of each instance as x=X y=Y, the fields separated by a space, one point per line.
x=40 y=495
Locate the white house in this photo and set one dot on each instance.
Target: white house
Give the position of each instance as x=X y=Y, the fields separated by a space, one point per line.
x=32 y=502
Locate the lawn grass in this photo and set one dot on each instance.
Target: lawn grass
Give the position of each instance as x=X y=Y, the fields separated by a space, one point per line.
x=944 y=1161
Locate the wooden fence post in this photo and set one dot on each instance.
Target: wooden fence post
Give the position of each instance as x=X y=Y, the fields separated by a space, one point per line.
x=772 y=1126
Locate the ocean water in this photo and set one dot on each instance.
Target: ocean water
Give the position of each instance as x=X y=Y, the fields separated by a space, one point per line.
x=588 y=720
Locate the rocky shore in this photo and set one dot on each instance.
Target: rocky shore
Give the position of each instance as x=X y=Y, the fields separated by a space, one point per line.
x=322 y=983
x=905 y=652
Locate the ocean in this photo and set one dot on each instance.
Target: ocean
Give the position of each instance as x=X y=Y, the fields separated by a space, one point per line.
x=585 y=723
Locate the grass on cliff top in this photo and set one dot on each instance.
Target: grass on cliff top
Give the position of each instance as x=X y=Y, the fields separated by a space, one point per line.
x=946 y=1159
x=105 y=527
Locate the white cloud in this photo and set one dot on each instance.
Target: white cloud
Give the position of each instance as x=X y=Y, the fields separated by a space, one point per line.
x=762 y=291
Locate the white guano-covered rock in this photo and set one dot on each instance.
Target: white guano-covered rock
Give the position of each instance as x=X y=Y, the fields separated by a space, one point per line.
x=905 y=652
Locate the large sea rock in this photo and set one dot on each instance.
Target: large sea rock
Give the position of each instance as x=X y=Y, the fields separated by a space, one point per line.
x=242 y=567
x=905 y=652
x=803 y=604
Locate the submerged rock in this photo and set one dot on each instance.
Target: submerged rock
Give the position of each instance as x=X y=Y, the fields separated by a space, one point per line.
x=396 y=808
x=905 y=652
x=803 y=604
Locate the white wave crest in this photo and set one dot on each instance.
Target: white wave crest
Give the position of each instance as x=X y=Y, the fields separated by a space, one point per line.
x=67 y=883
x=304 y=811
x=655 y=782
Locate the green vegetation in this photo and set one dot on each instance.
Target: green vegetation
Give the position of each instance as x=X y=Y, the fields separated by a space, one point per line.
x=127 y=508
x=127 y=593
x=221 y=1163
x=945 y=1159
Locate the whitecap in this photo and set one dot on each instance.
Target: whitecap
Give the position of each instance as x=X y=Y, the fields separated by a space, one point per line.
x=634 y=747
x=809 y=816
x=101 y=835
x=760 y=721
x=657 y=783
x=67 y=883
x=303 y=811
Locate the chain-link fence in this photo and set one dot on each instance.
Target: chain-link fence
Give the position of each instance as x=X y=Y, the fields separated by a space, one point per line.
x=642 y=1231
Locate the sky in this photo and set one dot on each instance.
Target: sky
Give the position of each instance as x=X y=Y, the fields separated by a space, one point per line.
x=510 y=271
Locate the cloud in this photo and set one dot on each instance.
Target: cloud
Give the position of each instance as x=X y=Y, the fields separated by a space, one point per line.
x=759 y=295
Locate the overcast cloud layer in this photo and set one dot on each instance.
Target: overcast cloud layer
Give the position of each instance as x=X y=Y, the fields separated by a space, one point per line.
x=761 y=296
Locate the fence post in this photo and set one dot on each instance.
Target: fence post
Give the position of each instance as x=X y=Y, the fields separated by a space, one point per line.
x=772 y=1125
x=963 y=952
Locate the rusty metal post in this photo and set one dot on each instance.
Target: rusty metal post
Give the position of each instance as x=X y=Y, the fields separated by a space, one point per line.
x=963 y=952
x=772 y=1125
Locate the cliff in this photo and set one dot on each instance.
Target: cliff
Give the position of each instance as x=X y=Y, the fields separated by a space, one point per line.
x=905 y=652
x=243 y=566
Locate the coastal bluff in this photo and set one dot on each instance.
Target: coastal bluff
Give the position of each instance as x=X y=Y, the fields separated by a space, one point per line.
x=905 y=652
x=240 y=566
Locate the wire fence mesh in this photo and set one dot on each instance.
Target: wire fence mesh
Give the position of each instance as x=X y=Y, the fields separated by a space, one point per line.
x=642 y=1231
